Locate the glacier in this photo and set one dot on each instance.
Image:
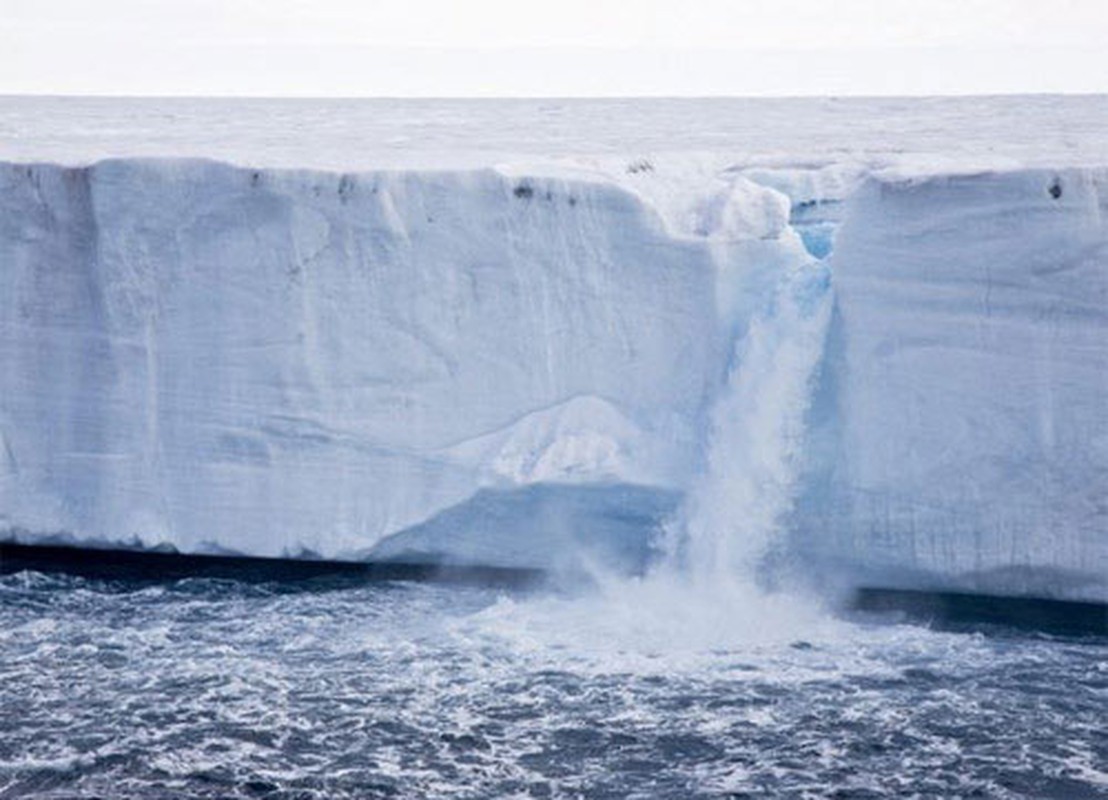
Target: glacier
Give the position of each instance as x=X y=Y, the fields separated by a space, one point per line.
x=278 y=362
x=881 y=365
x=966 y=385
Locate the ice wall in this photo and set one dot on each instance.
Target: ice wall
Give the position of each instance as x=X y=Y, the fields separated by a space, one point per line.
x=963 y=420
x=271 y=361
x=498 y=366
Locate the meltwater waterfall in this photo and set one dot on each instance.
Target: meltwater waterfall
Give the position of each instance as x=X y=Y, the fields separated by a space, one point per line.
x=757 y=431
x=714 y=585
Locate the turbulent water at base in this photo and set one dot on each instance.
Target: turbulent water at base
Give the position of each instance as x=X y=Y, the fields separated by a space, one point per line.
x=212 y=689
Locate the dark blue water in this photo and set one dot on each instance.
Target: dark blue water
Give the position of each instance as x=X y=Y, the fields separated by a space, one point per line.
x=213 y=689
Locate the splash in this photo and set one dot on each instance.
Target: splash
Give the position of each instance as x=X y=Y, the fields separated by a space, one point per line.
x=704 y=603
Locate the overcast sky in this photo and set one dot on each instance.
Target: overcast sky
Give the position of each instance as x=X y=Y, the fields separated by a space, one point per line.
x=563 y=48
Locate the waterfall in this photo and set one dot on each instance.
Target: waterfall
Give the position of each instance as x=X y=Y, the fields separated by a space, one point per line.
x=756 y=433
x=706 y=595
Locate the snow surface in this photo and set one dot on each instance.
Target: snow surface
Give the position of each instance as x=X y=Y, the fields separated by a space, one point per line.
x=341 y=135
x=556 y=333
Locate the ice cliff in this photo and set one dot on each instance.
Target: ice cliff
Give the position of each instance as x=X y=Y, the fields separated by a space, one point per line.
x=962 y=431
x=536 y=365
x=273 y=361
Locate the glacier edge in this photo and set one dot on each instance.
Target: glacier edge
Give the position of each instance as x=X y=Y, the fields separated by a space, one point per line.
x=275 y=361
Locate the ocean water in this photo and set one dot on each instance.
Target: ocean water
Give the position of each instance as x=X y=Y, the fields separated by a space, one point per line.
x=652 y=688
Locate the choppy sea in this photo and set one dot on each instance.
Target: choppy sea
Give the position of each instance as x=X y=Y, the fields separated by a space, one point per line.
x=648 y=689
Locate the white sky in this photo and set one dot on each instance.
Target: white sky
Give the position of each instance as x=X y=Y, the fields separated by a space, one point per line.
x=568 y=47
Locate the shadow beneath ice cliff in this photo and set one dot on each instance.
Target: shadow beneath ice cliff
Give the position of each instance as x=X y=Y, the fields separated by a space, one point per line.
x=513 y=538
x=143 y=567
x=962 y=611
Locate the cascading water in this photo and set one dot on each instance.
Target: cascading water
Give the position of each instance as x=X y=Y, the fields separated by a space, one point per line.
x=756 y=438
x=774 y=304
x=706 y=595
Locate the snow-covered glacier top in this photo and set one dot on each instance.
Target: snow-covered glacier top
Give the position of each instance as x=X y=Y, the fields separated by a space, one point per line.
x=343 y=135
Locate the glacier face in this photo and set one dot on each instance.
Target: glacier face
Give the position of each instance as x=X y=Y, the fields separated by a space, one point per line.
x=964 y=429
x=565 y=362
x=274 y=361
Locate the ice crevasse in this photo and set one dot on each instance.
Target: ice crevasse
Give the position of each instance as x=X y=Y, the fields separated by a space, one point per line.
x=875 y=372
